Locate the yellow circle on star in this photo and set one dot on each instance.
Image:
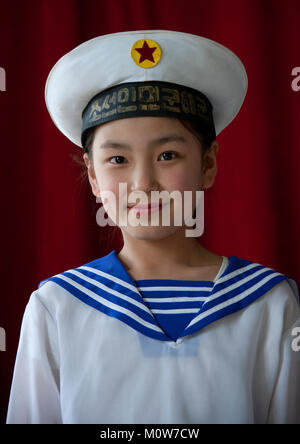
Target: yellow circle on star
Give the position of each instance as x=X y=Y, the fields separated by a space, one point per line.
x=146 y=53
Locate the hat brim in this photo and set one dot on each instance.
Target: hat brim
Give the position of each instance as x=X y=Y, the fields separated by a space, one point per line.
x=105 y=61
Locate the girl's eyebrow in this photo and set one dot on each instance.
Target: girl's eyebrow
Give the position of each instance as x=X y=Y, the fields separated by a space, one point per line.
x=155 y=142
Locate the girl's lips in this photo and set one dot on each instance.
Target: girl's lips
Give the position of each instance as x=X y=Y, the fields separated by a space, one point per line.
x=145 y=208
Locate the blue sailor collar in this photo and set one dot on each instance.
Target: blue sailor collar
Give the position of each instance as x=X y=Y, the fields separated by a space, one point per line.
x=106 y=285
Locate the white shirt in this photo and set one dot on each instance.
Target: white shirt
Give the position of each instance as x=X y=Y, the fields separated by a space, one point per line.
x=83 y=360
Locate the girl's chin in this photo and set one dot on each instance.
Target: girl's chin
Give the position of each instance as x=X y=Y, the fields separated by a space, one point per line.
x=150 y=233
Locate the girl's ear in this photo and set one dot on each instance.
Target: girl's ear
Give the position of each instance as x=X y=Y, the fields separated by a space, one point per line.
x=210 y=167
x=91 y=175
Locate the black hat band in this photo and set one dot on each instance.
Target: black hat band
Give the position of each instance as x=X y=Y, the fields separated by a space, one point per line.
x=149 y=98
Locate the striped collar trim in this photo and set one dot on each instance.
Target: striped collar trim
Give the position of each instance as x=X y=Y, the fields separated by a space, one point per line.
x=106 y=285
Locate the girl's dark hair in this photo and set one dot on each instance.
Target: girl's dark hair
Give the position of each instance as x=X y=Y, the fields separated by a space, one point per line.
x=193 y=126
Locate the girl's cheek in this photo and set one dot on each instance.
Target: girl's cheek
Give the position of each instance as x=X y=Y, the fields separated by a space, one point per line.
x=182 y=182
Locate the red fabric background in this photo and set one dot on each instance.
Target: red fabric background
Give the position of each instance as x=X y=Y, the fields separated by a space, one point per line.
x=48 y=213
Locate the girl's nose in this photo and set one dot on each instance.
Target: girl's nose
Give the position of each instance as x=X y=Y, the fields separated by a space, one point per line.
x=143 y=179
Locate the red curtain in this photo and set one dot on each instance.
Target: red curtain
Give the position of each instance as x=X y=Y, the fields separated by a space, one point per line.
x=48 y=216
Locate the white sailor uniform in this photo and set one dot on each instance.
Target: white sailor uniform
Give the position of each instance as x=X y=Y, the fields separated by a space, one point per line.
x=98 y=347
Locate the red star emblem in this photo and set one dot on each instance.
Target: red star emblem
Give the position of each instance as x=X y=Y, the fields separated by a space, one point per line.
x=146 y=52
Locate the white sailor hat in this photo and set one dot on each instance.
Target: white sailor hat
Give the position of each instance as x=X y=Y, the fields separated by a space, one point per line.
x=145 y=73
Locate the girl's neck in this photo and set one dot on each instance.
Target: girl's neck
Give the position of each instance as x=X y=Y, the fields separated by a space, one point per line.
x=190 y=261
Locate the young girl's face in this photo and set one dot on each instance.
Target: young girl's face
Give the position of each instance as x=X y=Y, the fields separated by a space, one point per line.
x=148 y=154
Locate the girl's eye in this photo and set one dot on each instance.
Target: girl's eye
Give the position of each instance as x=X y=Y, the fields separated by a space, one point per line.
x=118 y=159
x=167 y=155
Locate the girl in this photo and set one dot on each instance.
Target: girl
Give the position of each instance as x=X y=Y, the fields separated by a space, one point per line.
x=163 y=331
